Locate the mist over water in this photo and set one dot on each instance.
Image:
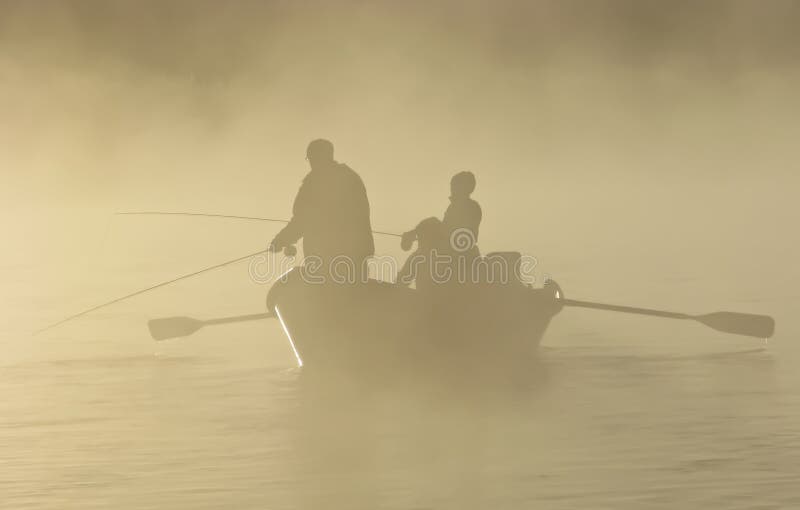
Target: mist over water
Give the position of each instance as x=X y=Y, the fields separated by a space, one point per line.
x=644 y=152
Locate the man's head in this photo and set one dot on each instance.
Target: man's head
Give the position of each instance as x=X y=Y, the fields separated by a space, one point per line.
x=462 y=185
x=319 y=153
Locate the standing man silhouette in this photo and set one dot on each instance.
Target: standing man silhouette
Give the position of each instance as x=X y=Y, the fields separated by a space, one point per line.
x=331 y=214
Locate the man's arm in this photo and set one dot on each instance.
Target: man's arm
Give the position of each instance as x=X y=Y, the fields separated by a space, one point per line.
x=294 y=230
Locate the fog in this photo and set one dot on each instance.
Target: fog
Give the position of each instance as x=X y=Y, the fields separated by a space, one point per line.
x=600 y=133
x=645 y=152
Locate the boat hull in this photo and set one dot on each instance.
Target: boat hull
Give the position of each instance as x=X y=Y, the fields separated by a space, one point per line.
x=388 y=329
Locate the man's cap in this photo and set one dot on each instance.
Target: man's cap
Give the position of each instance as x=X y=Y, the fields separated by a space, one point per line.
x=320 y=148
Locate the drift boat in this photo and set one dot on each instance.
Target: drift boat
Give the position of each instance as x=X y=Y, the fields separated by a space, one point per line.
x=382 y=327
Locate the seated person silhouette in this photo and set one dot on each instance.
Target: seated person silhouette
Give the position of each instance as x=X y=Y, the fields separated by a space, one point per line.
x=460 y=226
x=421 y=266
x=462 y=219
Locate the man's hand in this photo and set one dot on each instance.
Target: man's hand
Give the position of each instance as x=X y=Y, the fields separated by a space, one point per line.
x=274 y=246
x=277 y=245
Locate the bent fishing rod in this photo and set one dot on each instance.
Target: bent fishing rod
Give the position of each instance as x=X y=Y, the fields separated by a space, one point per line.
x=289 y=252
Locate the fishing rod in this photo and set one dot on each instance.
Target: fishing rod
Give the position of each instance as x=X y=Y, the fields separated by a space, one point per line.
x=226 y=216
x=289 y=251
x=148 y=289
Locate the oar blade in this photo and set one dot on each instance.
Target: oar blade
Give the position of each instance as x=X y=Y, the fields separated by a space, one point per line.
x=173 y=327
x=758 y=326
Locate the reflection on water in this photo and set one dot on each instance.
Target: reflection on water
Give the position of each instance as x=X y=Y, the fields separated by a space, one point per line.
x=593 y=430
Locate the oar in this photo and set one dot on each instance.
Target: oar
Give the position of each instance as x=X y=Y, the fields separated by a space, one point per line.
x=226 y=216
x=174 y=327
x=747 y=324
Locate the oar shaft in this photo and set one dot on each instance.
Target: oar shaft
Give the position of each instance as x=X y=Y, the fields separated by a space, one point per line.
x=239 y=318
x=625 y=309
